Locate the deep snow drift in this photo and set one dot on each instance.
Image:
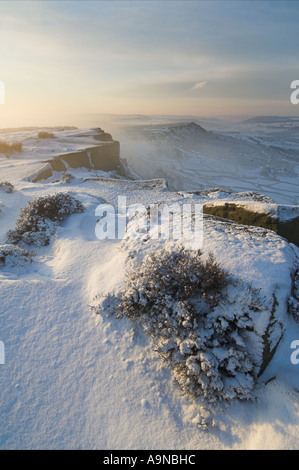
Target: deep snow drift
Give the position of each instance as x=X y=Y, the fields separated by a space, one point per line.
x=73 y=379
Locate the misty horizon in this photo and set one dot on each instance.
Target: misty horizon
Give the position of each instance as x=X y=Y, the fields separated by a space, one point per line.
x=149 y=227
x=171 y=58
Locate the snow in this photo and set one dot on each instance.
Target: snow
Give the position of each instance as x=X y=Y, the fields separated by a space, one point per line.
x=191 y=159
x=75 y=380
x=282 y=212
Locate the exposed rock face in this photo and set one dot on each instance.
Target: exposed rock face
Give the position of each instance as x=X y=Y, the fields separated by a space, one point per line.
x=104 y=156
x=103 y=137
x=243 y=215
x=43 y=173
x=288 y=229
x=253 y=209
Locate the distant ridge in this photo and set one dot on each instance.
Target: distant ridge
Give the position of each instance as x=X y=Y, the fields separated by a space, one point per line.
x=36 y=128
x=269 y=119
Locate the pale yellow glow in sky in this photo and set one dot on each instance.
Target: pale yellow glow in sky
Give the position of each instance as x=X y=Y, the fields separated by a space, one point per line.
x=60 y=59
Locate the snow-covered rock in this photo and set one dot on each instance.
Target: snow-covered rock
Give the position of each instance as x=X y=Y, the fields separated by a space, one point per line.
x=104 y=369
x=263 y=265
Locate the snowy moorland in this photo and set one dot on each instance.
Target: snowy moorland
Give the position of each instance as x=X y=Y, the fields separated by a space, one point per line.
x=200 y=368
x=192 y=158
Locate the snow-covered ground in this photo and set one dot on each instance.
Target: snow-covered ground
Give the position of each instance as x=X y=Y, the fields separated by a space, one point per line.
x=73 y=379
x=191 y=158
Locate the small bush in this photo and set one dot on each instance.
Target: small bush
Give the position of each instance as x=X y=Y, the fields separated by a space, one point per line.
x=293 y=307
x=67 y=178
x=293 y=303
x=38 y=221
x=45 y=135
x=8 y=149
x=6 y=186
x=178 y=298
x=11 y=255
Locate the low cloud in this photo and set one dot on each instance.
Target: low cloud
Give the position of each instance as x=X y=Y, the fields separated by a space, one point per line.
x=199 y=85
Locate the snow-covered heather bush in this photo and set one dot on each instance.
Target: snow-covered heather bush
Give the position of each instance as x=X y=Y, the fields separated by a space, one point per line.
x=188 y=306
x=67 y=178
x=11 y=255
x=39 y=219
x=294 y=299
x=6 y=186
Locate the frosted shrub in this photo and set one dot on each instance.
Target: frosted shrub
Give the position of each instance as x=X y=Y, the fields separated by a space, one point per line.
x=39 y=219
x=6 y=186
x=67 y=178
x=11 y=255
x=180 y=300
x=294 y=299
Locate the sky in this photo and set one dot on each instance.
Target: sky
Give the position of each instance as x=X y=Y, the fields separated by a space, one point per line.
x=200 y=58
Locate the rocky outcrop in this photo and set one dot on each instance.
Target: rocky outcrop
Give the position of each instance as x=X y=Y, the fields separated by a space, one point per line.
x=105 y=137
x=42 y=173
x=262 y=267
x=288 y=228
x=251 y=209
x=104 y=156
